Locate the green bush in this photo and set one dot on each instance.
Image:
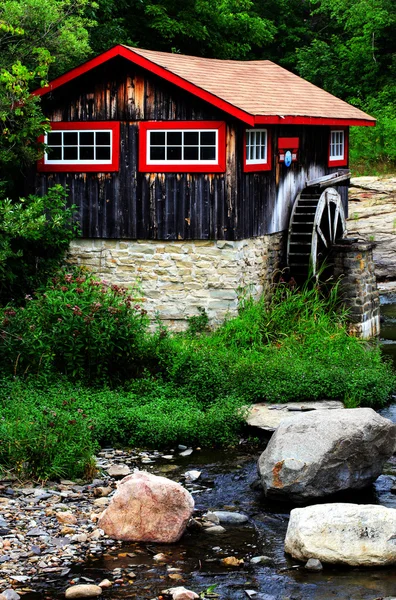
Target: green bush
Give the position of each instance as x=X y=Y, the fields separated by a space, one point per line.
x=79 y=326
x=51 y=430
x=35 y=233
x=43 y=439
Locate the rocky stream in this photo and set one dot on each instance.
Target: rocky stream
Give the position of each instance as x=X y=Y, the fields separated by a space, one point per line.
x=50 y=539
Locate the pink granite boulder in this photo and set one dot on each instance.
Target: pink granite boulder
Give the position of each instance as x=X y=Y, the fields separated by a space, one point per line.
x=147 y=508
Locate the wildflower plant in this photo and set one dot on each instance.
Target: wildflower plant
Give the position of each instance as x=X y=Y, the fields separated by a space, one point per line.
x=80 y=326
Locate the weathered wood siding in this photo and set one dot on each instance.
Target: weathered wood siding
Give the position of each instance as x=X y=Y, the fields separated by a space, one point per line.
x=171 y=206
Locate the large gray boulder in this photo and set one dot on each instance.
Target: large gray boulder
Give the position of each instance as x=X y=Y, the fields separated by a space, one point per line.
x=358 y=535
x=321 y=453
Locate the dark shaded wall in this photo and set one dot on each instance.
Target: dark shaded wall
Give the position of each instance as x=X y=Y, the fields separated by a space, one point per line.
x=172 y=206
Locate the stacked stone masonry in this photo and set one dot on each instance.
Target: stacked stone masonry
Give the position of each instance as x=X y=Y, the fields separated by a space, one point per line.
x=176 y=278
x=353 y=261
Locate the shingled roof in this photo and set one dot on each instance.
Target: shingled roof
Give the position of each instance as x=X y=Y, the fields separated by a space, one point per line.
x=256 y=92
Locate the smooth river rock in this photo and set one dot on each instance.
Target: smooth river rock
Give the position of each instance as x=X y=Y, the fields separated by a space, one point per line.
x=353 y=534
x=83 y=591
x=268 y=416
x=147 y=508
x=320 y=453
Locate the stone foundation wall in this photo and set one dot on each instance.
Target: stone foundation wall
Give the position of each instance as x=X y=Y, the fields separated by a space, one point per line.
x=353 y=261
x=176 y=278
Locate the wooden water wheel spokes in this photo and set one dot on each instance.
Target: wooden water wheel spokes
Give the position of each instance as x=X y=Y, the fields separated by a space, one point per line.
x=316 y=222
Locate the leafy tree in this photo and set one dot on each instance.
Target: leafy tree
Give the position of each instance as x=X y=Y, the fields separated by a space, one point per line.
x=38 y=38
x=35 y=232
x=58 y=26
x=226 y=29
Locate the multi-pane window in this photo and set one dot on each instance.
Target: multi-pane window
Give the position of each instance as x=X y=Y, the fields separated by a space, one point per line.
x=182 y=146
x=337 y=144
x=79 y=146
x=256 y=146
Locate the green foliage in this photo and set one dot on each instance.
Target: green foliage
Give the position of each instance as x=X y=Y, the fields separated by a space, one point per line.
x=228 y=29
x=198 y=323
x=41 y=439
x=60 y=27
x=294 y=347
x=51 y=430
x=36 y=36
x=79 y=326
x=34 y=234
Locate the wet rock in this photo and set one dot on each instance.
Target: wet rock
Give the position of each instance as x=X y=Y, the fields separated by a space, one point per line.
x=339 y=533
x=101 y=491
x=313 y=564
x=323 y=452
x=192 y=475
x=147 y=508
x=106 y=583
x=232 y=561
x=186 y=452
x=83 y=591
x=268 y=416
x=215 y=529
x=118 y=470
x=181 y=593
x=36 y=532
x=9 y=594
x=66 y=518
x=212 y=518
x=230 y=518
x=261 y=560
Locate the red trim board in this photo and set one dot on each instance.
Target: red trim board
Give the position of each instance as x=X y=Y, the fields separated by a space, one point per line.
x=81 y=167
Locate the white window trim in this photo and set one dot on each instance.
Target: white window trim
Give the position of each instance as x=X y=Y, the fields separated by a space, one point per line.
x=256 y=161
x=333 y=145
x=215 y=161
x=98 y=161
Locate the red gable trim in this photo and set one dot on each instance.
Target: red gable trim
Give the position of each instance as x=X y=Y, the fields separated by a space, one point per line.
x=292 y=120
x=153 y=68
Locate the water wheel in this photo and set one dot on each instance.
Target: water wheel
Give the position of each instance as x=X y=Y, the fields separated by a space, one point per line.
x=317 y=221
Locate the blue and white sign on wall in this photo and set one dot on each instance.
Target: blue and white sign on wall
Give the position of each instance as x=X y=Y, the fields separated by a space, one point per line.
x=288 y=158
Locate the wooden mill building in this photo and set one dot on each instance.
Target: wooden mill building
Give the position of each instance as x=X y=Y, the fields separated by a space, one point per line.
x=185 y=172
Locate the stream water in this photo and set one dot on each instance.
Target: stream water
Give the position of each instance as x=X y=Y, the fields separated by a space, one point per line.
x=227 y=482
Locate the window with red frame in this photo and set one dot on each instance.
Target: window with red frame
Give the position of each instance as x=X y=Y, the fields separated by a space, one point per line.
x=88 y=146
x=182 y=146
x=257 y=150
x=338 y=148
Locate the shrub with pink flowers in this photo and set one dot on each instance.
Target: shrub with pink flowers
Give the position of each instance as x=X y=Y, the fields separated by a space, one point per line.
x=80 y=326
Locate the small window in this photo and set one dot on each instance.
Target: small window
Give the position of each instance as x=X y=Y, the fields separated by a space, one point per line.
x=81 y=147
x=182 y=146
x=257 y=152
x=338 y=148
x=256 y=146
x=337 y=145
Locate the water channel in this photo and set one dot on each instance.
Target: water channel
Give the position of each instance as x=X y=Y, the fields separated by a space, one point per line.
x=228 y=482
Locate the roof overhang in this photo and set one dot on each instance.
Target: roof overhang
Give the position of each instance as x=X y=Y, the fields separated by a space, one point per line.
x=153 y=68
x=166 y=74
x=297 y=120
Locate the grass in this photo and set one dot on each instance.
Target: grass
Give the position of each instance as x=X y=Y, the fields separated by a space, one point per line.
x=295 y=346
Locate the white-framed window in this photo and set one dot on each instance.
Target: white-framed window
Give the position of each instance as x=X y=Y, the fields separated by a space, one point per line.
x=75 y=146
x=256 y=146
x=182 y=146
x=337 y=144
